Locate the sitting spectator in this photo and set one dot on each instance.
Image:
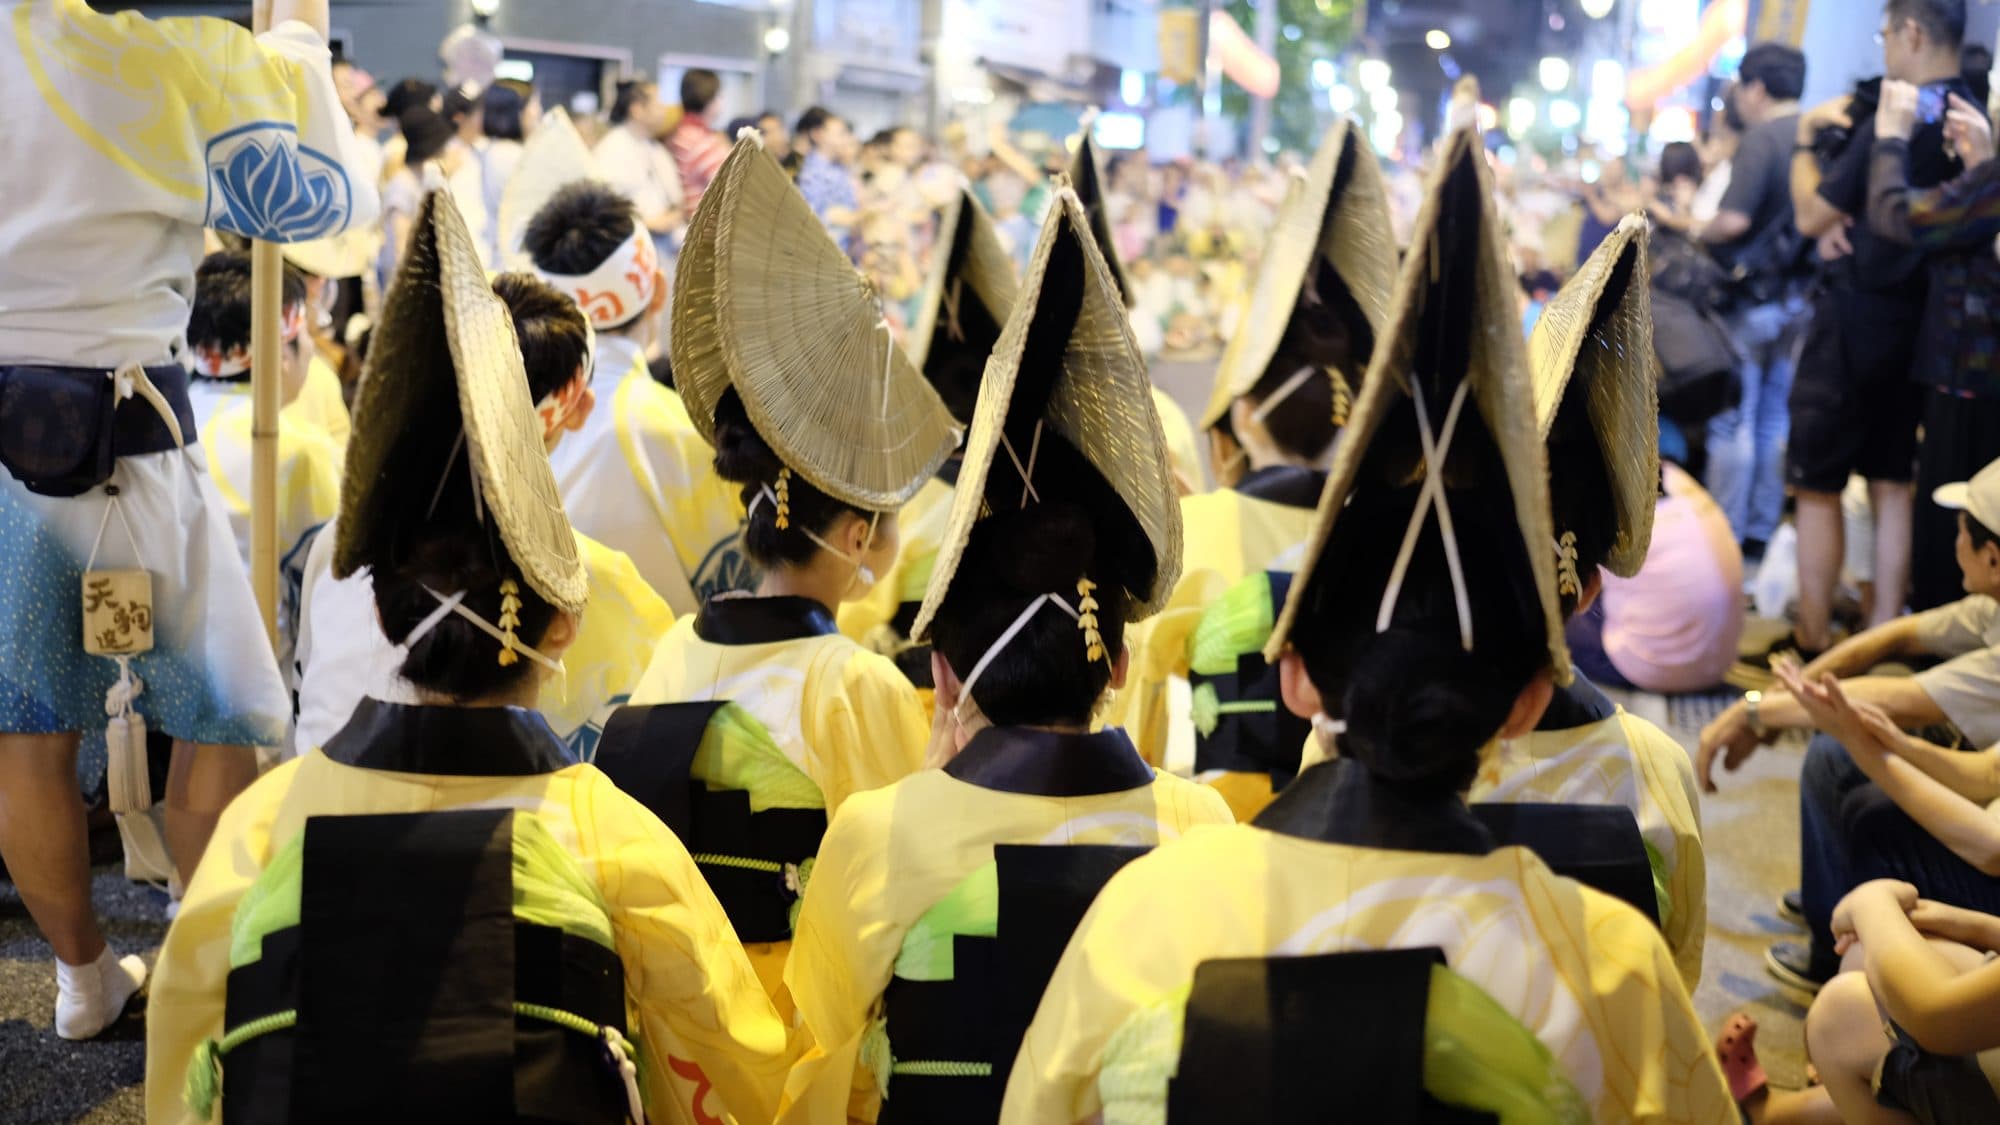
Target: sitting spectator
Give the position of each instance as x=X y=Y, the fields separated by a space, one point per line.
x=1672 y=627
x=1964 y=692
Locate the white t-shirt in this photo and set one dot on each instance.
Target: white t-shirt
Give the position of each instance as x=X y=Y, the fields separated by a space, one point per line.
x=108 y=182
x=642 y=170
x=1967 y=686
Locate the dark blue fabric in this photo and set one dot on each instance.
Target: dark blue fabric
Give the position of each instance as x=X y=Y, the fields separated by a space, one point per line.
x=1850 y=832
x=1585 y=633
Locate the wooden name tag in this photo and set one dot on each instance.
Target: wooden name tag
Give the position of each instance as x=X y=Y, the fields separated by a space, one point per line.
x=117 y=612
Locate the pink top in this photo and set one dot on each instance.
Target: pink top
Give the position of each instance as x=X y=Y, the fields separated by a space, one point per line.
x=1674 y=626
x=698 y=152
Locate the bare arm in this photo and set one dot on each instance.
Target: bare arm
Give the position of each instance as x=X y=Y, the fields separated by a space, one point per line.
x=1864 y=650
x=1946 y=1011
x=1812 y=214
x=1974 y=776
x=312 y=13
x=1958 y=823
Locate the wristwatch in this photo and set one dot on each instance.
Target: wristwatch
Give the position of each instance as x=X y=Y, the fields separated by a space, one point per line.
x=1753 y=701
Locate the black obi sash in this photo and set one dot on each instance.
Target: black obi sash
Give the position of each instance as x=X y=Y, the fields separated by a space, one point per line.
x=755 y=862
x=1298 y=1040
x=955 y=1040
x=407 y=972
x=1254 y=731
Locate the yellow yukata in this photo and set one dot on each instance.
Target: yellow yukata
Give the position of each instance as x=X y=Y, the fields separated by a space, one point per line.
x=1617 y=758
x=921 y=525
x=1588 y=975
x=1184 y=454
x=894 y=853
x=712 y=1048
x=320 y=404
x=844 y=716
x=308 y=463
x=1230 y=533
x=639 y=478
x=614 y=645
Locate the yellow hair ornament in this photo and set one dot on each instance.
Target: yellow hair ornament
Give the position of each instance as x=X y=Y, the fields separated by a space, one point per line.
x=510 y=619
x=1567 y=582
x=784 y=499
x=1343 y=398
x=1086 y=620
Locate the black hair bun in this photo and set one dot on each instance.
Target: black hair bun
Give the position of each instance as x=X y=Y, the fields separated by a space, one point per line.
x=1041 y=549
x=742 y=456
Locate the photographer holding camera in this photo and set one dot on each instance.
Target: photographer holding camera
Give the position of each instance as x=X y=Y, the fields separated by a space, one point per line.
x=1752 y=236
x=1854 y=407
x=1957 y=365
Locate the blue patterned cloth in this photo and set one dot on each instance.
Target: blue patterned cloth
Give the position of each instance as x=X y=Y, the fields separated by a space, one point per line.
x=262 y=183
x=827 y=186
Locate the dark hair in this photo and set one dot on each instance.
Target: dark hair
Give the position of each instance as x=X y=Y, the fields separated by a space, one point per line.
x=460 y=102
x=738 y=124
x=579 y=227
x=812 y=120
x=407 y=95
x=699 y=86
x=743 y=457
x=1732 y=113
x=1679 y=160
x=1779 y=68
x=221 y=314
x=1044 y=676
x=426 y=133
x=1943 y=21
x=1418 y=707
x=1325 y=322
x=630 y=93
x=456 y=658
x=1978 y=532
x=550 y=327
x=505 y=103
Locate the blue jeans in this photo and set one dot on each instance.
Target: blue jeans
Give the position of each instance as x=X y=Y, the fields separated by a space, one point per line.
x=1850 y=832
x=1746 y=444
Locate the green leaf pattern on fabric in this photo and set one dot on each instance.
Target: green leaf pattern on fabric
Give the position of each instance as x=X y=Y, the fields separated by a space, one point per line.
x=1234 y=625
x=972 y=909
x=736 y=752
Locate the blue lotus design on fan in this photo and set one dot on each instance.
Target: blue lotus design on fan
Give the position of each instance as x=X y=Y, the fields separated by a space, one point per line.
x=262 y=183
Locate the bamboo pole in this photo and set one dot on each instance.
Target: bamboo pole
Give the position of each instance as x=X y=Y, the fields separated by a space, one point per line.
x=266 y=382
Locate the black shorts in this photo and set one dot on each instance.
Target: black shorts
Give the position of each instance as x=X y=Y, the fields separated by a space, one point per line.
x=1935 y=1089
x=1854 y=409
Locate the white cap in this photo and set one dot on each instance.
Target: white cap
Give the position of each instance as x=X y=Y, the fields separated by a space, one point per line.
x=1978 y=497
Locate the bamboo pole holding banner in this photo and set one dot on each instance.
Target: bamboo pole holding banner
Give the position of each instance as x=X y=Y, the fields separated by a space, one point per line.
x=267 y=274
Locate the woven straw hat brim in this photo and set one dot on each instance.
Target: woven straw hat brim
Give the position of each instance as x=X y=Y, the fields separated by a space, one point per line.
x=1346 y=222
x=445 y=356
x=1496 y=367
x=985 y=268
x=1615 y=365
x=766 y=303
x=553 y=158
x=1101 y=403
x=350 y=253
x=1086 y=176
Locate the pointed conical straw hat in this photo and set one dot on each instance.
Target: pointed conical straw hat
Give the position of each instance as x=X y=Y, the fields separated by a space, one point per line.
x=1453 y=321
x=445 y=362
x=1067 y=360
x=1338 y=213
x=766 y=303
x=1086 y=176
x=551 y=159
x=1595 y=338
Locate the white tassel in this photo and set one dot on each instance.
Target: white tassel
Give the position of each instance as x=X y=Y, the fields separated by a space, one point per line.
x=128 y=786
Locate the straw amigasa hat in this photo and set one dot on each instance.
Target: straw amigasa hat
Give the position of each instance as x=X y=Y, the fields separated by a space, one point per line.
x=554 y=157
x=1067 y=412
x=444 y=365
x=1446 y=403
x=767 y=304
x=1592 y=350
x=1338 y=214
x=1086 y=177
x=967 y=298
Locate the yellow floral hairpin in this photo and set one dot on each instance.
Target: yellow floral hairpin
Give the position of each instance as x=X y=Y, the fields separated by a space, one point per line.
x=1567 y=582
x=784 y=499
x=1343 y=399
x=510 y=620
x=1086 y=620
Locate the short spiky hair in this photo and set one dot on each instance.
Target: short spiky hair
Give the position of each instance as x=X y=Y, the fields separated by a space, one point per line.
x=578 y=228
x=553 y=335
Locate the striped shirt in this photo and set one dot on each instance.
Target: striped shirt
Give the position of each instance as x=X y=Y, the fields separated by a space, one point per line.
x=699 y=152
